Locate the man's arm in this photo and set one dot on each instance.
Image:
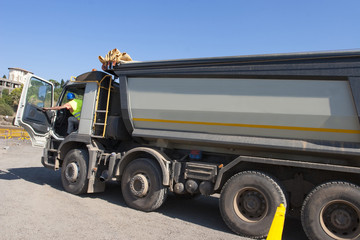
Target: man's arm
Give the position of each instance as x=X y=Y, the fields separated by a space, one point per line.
x=66 y=105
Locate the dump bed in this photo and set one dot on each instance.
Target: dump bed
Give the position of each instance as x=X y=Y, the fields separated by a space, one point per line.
x=303 y=101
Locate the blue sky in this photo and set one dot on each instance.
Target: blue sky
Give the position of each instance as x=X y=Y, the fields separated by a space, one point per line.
x=60 y=39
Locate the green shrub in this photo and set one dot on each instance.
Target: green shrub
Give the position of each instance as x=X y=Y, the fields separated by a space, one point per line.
x=5 y=109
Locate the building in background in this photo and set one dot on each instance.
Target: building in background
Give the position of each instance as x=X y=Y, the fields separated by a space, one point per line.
x=18 y=74
x=16 y=78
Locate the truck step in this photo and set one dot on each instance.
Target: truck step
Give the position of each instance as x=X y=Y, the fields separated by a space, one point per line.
x=47 y=164
x=97 y=136
x=99 y=124
x=101 y=111
x=200 y=171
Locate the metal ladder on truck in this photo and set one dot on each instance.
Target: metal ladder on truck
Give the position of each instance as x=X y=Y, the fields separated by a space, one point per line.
x=102 y=107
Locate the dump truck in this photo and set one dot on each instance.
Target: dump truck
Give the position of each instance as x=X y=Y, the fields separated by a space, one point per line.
x=258 y=131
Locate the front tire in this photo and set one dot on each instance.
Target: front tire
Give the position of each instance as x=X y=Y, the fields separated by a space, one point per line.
x=74 y=171
x=332 y=211
x=141 y=185
x=248 y=203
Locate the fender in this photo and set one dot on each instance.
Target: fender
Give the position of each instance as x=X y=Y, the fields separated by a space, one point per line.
x=282 y=162
x=159 y=156
x=72 y=141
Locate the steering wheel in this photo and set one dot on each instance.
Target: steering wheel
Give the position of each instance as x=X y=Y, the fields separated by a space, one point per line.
x=42 y=110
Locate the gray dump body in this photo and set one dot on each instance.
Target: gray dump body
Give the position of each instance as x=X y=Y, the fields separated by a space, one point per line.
x=304 y=102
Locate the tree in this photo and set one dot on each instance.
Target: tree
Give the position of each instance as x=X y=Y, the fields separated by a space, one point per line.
x=6 y=103
x=56 y=83
x=6 y=97
x=57 y=94
x=58 y=88
x=5 y=92
x=15 y=97
x=12 y=98
x=4 y=76
x=5 y=109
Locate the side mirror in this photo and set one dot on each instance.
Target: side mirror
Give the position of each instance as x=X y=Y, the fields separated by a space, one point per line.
x=42 y=92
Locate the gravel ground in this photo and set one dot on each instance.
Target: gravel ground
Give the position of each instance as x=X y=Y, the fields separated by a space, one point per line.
x=35 y=206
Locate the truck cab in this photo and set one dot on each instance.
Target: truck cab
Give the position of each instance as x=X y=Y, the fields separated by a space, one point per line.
x=43 y=125
x=48 y=129
x=100 y=119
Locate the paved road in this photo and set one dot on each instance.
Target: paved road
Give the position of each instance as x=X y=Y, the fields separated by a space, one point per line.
x=33 y=205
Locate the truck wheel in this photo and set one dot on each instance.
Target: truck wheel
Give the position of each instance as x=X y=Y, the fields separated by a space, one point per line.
x=141 y=185
x=248 y=203
x=74 y=171
x=332 y=211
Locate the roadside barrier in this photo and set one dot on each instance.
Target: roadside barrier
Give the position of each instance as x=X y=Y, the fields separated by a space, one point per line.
x=9 y=133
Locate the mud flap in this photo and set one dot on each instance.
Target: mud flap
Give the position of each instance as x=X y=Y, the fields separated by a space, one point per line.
x=94 y=185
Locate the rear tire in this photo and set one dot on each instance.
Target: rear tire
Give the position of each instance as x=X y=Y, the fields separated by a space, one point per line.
x=74 y=171
x=142 y=186
x=332 y=211
x=248 y=203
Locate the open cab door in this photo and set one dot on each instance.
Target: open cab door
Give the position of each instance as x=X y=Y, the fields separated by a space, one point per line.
x=36 y=94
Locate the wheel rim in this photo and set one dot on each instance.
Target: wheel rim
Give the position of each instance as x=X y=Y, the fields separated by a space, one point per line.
x=340 y=220
x=72 y=172
x=250 y=204
x=139 y=185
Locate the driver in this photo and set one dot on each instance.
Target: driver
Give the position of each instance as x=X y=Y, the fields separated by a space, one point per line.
x=74 y=106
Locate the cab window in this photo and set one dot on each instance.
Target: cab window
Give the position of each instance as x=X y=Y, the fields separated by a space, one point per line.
x=77 y=91
x=39 y=93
